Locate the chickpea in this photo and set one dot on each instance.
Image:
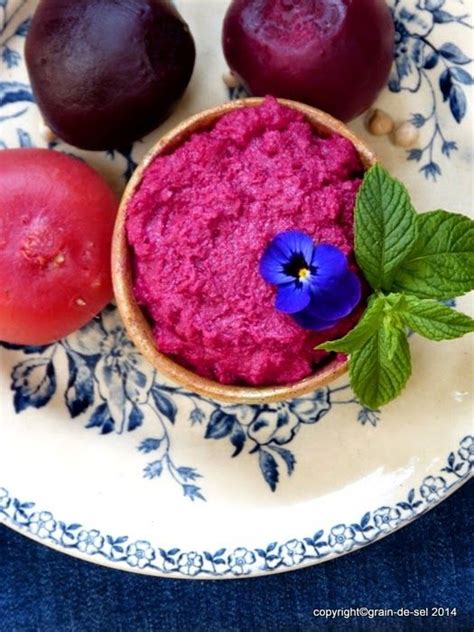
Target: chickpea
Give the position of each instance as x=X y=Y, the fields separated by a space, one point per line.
x=380 y=123
x=405 y=135
x=230 y=79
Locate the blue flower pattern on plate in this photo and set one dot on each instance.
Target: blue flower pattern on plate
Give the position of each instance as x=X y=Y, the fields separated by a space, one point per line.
x=240 y=561
x=465 y=452
x=89 y=542
x=140 y=554
x=110 y=386
x=15 y=96
x=440 y=69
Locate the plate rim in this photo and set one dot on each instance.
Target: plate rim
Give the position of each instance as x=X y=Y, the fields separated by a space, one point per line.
x=127 y=566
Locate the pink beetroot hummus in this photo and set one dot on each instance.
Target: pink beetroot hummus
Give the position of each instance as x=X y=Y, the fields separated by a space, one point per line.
x=200 y=221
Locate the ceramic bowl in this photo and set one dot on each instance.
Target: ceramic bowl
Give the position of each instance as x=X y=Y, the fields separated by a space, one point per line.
x=135 y=320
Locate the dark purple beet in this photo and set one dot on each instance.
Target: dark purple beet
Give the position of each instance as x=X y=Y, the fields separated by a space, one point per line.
x=106 y=72
x=332 y=54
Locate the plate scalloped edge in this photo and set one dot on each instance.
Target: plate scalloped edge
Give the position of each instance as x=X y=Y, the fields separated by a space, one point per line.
x=143 y=557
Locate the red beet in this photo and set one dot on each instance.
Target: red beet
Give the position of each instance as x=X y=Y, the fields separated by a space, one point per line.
x=56 y=221
x=106 y=72
x=332 y=54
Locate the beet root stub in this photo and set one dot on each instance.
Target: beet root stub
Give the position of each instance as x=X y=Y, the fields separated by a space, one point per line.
x=332 y=54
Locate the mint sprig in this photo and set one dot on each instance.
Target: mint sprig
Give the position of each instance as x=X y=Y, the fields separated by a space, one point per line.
x=411 y=262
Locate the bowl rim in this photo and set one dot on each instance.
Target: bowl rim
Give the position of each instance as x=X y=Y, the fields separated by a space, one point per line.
x=132 y=315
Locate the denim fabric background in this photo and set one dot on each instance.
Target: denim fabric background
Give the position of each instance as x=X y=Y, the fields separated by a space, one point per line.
x=428 y=563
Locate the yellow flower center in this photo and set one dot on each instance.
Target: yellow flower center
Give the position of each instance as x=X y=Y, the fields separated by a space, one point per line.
x=303 y=273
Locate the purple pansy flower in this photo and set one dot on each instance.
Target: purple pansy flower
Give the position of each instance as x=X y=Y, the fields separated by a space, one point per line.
x=314 y=282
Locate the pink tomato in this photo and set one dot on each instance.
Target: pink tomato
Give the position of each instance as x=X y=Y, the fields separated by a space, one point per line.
x=56 y=223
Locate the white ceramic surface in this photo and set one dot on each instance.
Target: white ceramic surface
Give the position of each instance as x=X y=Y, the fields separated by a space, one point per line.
x=102 y=458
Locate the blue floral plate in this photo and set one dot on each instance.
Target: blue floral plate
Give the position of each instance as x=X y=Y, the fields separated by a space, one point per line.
x=102 y=458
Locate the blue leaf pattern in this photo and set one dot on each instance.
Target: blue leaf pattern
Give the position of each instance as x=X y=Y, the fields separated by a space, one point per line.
x=10 y=57
x=164 y=404
x=462 y=76
x=24 y=138
x=188 y=473
x=445 y=83
x=269 y=469
x=153 y=470
x=287 y=457
x=237 y=438
x=431 y=170
x=448 y=147
x=34 y=383
x=415 y=154
x=220 y=425
x=80 y=391
x=135 y=418
x=22 y=29
x=12 y=92
x=452 y=52
x=29 y=349
x=192 y=492
x=457 y=103
x=149 y=445
x=431 y=60
x=102 y=419
x=417 y=61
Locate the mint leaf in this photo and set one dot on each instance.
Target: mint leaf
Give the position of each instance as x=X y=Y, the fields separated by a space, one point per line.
x=391 y=337
x=434 y=320
x=441 y=265
x=357 y=337
x=380 y=369
x=385 y=227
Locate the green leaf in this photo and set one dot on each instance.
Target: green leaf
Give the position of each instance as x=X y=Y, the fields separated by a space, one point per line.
x=433 y=320
x=357 y=337
x=441 y=266
x=380 y=369
x=391 y=336
x=385 y=227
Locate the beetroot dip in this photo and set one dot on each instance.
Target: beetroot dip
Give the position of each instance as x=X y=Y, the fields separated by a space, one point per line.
x=200 y=221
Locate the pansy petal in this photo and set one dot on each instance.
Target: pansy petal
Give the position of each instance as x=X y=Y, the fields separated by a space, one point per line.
x=337 y=298
x=271 y=266
x=329 y=262
x=292 y=297
x=308 y=320
x=294 y=242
